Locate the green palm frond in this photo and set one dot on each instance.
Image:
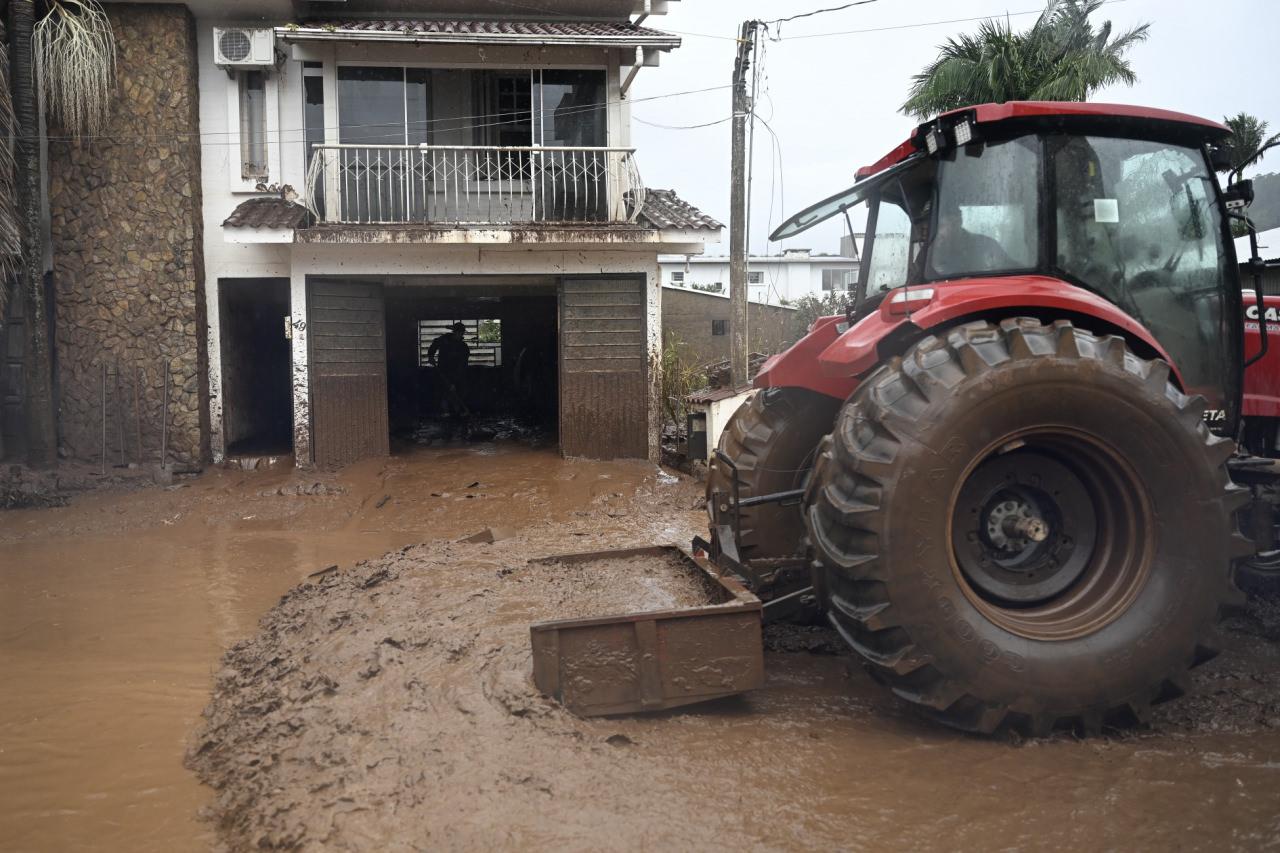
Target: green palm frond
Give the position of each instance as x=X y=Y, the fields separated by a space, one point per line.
x=1061 y=57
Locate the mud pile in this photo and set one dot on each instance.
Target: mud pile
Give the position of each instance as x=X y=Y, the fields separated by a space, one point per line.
x=390 y=706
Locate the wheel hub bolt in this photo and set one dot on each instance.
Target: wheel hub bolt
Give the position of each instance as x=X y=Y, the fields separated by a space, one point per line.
x=1026 y=527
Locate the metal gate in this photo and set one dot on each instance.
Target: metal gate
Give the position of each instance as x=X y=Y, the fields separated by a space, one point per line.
x=604 y=398
x=348 y=359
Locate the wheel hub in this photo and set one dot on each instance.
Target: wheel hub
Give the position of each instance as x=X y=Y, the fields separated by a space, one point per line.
x=1024 y=528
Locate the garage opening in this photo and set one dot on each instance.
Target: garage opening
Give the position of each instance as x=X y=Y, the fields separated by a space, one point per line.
x=472 y=361
x=257 y=404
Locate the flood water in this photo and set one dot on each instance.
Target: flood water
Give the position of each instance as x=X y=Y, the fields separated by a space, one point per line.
x=114 y=612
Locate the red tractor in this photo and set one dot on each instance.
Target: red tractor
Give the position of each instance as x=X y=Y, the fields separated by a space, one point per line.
x=1009 y=474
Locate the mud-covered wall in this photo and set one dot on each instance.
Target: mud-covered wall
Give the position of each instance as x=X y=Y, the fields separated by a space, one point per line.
x=126 y=239
x=687 y=317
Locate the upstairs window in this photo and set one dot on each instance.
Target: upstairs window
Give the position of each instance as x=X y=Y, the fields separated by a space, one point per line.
x=755 y=277
x=503 y=108
x=677 y=278
x=253 y=125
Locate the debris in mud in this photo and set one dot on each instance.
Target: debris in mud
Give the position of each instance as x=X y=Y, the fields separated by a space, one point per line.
x=488 y=536
x=479 y=429
x=25 y=488
x=291 y=711
x=814 y=639
x=309 y=489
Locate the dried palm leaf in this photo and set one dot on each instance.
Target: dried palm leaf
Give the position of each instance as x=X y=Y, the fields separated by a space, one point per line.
x=75 y=53
x=10 y=235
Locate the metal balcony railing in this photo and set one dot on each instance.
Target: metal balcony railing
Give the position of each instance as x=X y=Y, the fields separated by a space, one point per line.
x=472 y=185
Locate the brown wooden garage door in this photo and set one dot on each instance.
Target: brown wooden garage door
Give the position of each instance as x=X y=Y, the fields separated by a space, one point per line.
x=604 y=411
x=348 y=357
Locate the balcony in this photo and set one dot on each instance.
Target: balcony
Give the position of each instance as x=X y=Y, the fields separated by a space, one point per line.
x=463 y=185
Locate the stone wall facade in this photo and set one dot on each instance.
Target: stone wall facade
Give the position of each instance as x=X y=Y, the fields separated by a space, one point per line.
x=126 y=238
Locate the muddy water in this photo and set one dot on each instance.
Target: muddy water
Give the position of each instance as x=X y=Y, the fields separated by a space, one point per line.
x=114 y=612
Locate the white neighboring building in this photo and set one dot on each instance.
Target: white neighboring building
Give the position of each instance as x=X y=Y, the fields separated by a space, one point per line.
x=775 y=279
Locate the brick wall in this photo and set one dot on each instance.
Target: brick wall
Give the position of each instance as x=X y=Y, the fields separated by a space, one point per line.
x=126 y=238
x=687 y=317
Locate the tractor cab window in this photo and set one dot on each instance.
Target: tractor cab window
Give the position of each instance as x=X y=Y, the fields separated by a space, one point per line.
x=890 y=249
x=1137 y=221
x=898 y=219
x=986 y=213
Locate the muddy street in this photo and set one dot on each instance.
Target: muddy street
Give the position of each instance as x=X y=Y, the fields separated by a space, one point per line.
x=114 y=612
x=387 y=704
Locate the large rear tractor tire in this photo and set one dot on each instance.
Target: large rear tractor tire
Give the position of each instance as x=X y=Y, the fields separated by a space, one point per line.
x=772 y=439
x=1026 y=527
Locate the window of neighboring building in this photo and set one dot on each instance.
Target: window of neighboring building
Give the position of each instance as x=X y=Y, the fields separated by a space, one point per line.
x=838 y=279
x=484 y=337
x=755 y=277
x=677 y=278
x=719 y=327
x=253 y=125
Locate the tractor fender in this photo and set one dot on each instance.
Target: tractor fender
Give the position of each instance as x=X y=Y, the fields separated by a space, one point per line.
x=931 y=306
x=844 y=355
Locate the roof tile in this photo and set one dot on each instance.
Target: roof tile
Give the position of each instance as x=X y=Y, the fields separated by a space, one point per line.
x=266 y=213
x=613 y=30
x=665 y=209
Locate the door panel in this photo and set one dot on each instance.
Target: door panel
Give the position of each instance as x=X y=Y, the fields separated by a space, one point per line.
x=348 y=360
x=604 y=409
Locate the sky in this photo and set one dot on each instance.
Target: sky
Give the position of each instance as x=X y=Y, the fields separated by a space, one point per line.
x=832 y=96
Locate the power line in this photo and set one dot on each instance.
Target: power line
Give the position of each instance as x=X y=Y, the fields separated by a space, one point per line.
x=927 y=23
x=681 y=126
x=818 y=12
x=460 y=123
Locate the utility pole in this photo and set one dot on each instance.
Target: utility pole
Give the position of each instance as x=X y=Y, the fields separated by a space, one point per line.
x=738 y=210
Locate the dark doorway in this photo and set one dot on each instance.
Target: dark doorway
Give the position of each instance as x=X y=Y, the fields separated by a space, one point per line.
x=257 y=405
x=509 y=388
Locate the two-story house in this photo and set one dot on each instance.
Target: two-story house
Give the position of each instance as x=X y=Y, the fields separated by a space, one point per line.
x=294 y=198
x=459 y=162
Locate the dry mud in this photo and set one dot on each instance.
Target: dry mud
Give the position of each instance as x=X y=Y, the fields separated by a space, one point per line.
x=390 y=707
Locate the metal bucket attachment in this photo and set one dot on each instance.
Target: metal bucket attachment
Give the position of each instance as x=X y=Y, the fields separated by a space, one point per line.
x=652 y=660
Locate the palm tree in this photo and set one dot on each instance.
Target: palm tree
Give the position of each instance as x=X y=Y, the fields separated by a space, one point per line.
x=1061 y=58
x=1248 y=138
x=70 y=56
x=9 y=231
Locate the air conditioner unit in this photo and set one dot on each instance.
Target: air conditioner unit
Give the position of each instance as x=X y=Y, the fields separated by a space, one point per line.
x=238 y=47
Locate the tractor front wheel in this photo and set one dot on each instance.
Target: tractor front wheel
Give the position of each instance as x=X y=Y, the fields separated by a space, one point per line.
x=1025 y=526
x=771 y=440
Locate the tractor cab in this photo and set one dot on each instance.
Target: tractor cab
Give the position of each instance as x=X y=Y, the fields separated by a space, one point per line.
x=1120 y=202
